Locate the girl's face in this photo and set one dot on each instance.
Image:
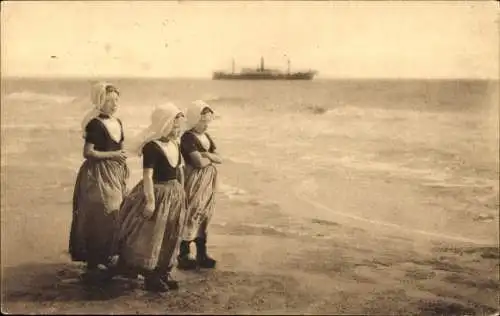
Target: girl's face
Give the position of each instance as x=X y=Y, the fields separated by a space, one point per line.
x=111 y=103
x=176 y=128
x=205 y=120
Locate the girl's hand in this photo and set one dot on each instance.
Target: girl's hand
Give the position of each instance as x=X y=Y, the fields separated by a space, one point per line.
x=213 y=157
x=149 y=210
x=209 y=156
x=119 y=155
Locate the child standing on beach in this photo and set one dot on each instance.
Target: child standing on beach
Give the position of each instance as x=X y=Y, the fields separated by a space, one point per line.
x=101 y=181
x=152 y=215
x=199 y=152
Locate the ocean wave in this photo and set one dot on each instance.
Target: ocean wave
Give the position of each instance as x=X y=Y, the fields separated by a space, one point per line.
x=385 y=114
x=51 y=126
x=30 y=96
x=224 y=99
x=316 y=109
x=35 y=164
x=231 y=192
x=367 y=164
x=398 y=170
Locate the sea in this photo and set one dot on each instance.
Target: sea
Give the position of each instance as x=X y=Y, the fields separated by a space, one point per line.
x=438 y=137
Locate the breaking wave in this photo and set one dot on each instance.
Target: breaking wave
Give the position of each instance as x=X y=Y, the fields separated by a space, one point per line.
x=30 y=96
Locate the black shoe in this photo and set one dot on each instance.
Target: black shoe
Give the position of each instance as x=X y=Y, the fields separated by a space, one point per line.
x=107 y=275
x=118 y=268
x=171 y=283
x=206 y=262
x=132 y=275
x=186 y=263
x=88 y=277
x=155 y=284
x=203 y=260
x=126 y=273
x=96 y=276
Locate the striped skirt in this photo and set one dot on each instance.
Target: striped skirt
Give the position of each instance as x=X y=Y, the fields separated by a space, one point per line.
x=150 y=243
x=200 y=187
x=99 y=190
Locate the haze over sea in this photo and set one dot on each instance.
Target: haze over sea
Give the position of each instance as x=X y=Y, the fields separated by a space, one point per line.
x=433 y=143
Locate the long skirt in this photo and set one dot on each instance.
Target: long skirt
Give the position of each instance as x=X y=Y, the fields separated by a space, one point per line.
x=99 y=190
x=146 y=244
x=200 y=187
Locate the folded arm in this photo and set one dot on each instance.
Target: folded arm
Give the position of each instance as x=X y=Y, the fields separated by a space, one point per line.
x=213 y=157
x=89 y=152
x=199 y=160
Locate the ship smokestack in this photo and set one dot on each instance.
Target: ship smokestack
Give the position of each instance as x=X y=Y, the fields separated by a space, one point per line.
x=232 y=69
x=261 y=63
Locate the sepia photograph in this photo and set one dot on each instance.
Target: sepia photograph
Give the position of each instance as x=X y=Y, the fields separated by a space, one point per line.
x=250 y=157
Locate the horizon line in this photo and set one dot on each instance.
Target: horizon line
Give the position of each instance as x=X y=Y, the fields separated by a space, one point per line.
x=320 y=78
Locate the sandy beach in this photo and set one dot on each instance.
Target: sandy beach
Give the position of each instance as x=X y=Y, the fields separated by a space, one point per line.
x=292 y=234
x=287 y=264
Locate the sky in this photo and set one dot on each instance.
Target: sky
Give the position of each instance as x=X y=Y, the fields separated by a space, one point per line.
x=191 y=39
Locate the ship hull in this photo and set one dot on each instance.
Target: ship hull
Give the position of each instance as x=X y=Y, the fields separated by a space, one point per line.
x=259 y=76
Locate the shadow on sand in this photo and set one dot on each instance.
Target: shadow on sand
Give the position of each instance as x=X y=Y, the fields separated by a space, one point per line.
x=57 y=282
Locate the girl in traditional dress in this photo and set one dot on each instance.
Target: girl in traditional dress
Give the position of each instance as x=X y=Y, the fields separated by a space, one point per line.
x=101 y=181
x=199 y=152
x=152 y=215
